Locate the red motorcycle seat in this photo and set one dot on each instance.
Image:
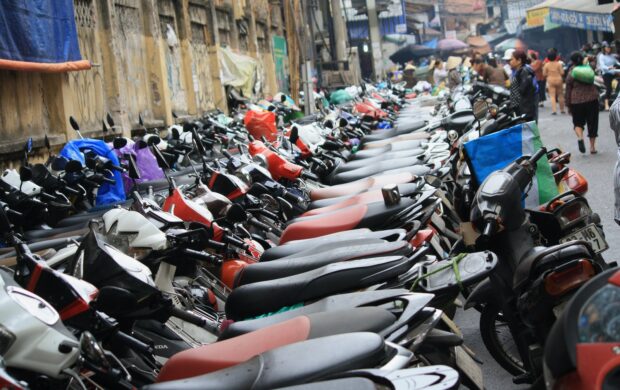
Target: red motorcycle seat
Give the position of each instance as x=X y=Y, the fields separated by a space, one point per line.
x=323 y=224
x=226 y=353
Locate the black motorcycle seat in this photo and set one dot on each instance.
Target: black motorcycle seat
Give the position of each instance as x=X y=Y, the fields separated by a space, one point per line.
x=360 y=319
x=393 y=147
x=403 y=154
x=332 y=303
x=388 y=167
x=540 y=258
x=318 y=257
x=81 y=218
x=46 y=234
x=269 y=296
x=406 y=188
x=293 y=247
x=286 y=365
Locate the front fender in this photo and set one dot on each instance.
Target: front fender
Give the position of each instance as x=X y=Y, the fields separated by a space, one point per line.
x=482 y=294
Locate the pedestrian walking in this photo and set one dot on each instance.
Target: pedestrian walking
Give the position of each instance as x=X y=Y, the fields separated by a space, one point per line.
x=537 y=67
x=523 y=94
x=614 y=122
x=553 y=71
x=606 y=63
x=454 y=75
x=439 y=72
x=582 y=101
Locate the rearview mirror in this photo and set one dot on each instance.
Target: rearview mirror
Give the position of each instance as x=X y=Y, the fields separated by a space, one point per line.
x=74 y=124
x=119 y=143
x=109 y=119
x=283 y=98
x=480 y=109
x=294 y=135
x=73 y=166
x=236 y=213
x=25 y=174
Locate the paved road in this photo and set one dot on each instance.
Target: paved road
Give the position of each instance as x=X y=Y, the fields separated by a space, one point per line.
x=556 y=131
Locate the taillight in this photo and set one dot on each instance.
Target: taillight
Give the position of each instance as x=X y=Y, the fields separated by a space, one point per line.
x=561 y=281
x=572 y=212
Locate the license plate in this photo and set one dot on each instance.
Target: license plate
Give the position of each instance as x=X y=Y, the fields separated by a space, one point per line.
x=469 y=367
x=592 y=235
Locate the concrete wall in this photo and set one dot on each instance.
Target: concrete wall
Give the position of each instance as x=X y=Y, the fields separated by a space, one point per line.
x=152 y=58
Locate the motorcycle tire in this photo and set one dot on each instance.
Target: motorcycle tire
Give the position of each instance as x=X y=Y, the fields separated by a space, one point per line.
x=490 y=318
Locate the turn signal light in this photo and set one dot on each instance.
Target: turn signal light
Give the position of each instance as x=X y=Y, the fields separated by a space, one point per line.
x=559 y=282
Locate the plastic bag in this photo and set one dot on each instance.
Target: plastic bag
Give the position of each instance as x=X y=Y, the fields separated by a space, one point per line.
x=583 y=74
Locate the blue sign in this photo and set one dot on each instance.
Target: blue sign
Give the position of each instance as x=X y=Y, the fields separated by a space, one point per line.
x=582 y=20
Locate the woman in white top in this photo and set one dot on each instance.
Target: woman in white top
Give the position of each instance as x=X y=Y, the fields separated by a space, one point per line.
x=439 y=72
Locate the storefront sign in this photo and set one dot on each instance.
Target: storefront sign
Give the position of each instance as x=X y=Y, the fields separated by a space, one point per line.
x=280 y=58
x=582 y=20
x=536 y=17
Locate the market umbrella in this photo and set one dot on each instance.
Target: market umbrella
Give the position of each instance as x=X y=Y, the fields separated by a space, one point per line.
x=411 y=52
x=479 y=44
x=510 y=43
x=451 y=45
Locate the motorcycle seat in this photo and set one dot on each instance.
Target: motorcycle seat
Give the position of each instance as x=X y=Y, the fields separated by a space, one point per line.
x=370 y=196
x=386 y=167
x=46 y=234
x=394 y=147
x=332 y=303
x=412 y=155
x=361 y=185
x=318 y=257
x=81 y=218
x=291 y=364
x=378 y=135
x=373 y=216
x=293 y=247
x=420 y=136
x=540 y=258
x=429 y=378
x=236 y=350
x=272 y=295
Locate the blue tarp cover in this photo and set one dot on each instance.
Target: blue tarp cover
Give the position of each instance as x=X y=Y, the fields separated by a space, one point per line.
x=107 y=193
x=41 y=31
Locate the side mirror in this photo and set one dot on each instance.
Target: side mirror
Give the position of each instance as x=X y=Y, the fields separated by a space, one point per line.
x=104 y=127
x=109 y=119
x=283 y=98
x=25 y=174
x=329 y=124
x=342 y=122
x=46 y=141
x=140 y=121
x=236 y=213
x=119 y=143
x=294 y=134
x=74 y=124
x=480 y=109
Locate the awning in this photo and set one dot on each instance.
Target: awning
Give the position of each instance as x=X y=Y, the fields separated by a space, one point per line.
x=582 y=14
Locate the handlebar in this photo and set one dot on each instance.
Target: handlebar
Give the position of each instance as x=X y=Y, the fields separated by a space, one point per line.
x=188 y=316
x=133 y=342
x=200 y=255
x=232 y=240
x=538 y=155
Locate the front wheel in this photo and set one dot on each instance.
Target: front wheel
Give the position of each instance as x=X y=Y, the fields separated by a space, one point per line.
x=498 y=340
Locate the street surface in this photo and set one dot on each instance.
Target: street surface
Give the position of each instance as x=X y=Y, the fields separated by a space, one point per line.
x=556 y=131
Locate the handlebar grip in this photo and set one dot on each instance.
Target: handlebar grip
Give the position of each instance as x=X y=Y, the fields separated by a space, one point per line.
x=309 y=175
x=133 y=342
x=215 y=245
x=261 y=225
x=538 y=155
x=199 y=255
x=227 y=154
x=292 y=197
x=188 y=316
x=232 y=240
x=113 y=167
x=13 y=213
